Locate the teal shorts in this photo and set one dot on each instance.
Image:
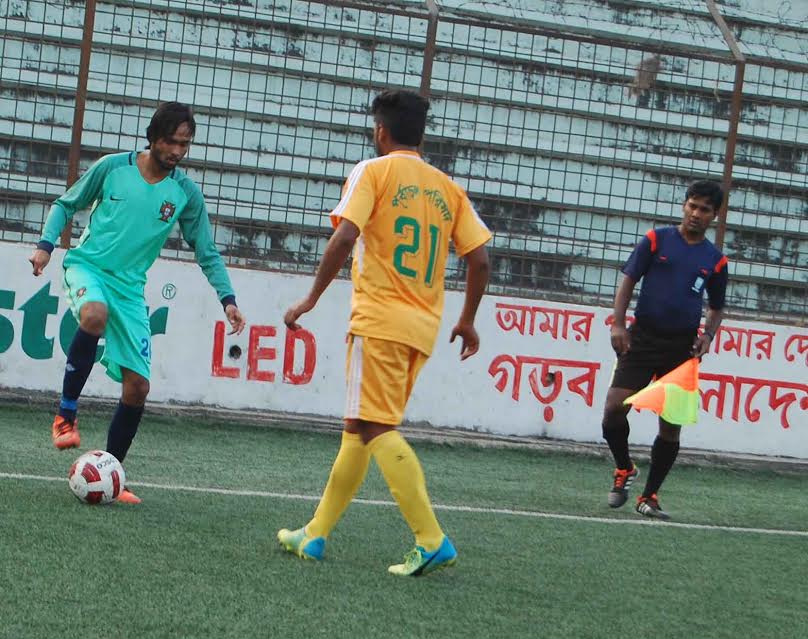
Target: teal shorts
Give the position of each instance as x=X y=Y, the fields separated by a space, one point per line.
x=127 y=338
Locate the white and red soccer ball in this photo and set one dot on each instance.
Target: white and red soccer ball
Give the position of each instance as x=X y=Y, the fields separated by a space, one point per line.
x=96 y=477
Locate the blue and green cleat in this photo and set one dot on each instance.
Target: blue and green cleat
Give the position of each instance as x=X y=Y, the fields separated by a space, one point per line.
x=419 y=562
x=296 y=542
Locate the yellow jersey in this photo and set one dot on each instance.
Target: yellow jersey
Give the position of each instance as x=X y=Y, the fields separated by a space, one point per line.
x=407 y=212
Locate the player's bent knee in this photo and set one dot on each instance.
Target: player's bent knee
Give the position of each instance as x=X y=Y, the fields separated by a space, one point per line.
x=135 y=390
x=93 y=318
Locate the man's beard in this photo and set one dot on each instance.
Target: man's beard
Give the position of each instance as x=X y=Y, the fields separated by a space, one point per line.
x=164 y=163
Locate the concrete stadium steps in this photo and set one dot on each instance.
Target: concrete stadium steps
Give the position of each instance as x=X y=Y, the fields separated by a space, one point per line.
x=311 y=187
x=565 y=165
x=586 y=263
x=683 y=22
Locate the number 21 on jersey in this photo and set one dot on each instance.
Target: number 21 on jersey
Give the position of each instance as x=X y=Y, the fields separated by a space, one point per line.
x=408 y=253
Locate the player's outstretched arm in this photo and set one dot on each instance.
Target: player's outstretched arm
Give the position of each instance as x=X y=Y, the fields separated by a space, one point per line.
x=84 y=192
x=621 y=340
x=476 y=281
x=336 y=252
x=195 y=228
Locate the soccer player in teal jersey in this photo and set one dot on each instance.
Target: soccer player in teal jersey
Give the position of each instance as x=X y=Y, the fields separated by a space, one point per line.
x=136 y=199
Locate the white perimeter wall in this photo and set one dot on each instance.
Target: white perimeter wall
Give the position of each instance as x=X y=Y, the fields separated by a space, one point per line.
x=754 y=390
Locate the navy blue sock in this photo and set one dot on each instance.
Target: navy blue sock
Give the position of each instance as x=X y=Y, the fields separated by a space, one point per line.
x=80 y=360
x=122 y=429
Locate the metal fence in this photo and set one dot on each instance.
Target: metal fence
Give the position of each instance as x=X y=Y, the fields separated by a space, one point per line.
x=571 y=144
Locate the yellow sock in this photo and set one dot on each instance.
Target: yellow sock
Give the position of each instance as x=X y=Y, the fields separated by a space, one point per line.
x=404 y=476
x=347 y=475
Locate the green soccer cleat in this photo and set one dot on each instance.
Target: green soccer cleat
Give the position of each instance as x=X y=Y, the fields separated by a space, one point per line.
x=296 y=542
x=419 y=562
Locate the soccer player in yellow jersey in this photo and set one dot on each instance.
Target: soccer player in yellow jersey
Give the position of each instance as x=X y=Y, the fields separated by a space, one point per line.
x=400 y=213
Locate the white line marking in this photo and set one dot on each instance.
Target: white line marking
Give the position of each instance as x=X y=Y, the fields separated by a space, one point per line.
x=462 y=509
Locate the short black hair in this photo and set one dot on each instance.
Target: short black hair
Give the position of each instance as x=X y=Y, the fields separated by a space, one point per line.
x=713 y=191
x=403 y=113
x=167 y=119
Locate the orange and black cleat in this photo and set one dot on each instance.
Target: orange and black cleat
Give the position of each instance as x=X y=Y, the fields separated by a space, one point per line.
x=128 y=497
x=622 y=482
x=65 y=433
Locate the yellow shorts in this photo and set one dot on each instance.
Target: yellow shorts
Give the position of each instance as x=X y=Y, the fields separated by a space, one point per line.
x=380 y=375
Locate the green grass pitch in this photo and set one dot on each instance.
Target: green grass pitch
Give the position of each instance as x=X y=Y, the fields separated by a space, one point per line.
x=197 y=563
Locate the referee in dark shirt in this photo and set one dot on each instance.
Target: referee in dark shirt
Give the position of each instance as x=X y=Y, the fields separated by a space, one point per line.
x=677 y=265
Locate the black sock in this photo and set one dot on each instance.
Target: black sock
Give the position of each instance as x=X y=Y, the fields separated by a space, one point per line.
x=80 y=360
x=615 y=432
x=663 y=454
x=122 y=429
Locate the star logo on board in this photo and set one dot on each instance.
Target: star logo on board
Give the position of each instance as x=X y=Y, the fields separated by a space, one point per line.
x=167 y=211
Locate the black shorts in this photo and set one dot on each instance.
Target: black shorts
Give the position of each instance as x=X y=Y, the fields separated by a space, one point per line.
x=651 y=355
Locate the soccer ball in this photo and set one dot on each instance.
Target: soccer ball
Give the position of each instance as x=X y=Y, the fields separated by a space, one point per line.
x=96 y=477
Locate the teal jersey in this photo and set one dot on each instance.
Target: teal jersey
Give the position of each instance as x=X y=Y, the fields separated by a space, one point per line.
x=131 y=220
